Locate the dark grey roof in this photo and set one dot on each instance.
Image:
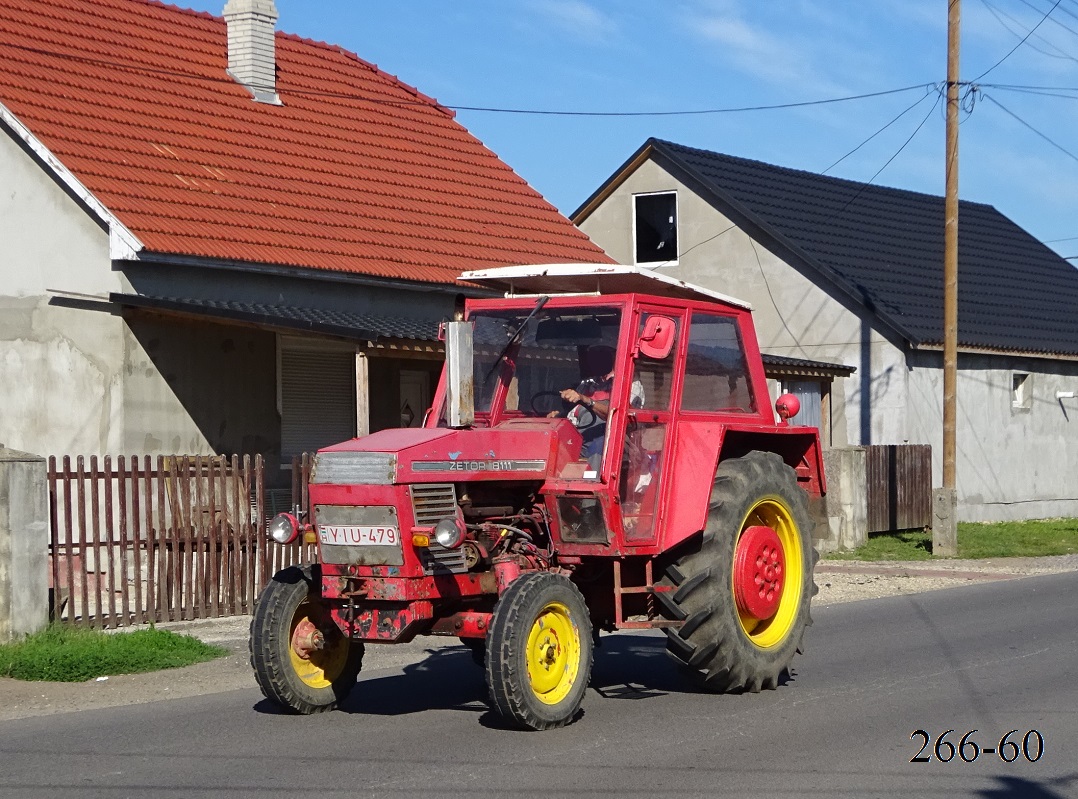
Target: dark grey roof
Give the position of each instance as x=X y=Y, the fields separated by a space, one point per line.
x=289 y=317
x=883 y=248
x=782 y=364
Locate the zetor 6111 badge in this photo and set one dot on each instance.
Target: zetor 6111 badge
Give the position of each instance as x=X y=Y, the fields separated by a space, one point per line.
x=601 y=455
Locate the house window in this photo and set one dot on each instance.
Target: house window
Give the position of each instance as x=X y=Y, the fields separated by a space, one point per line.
x=655 y=227
x=1021 y=391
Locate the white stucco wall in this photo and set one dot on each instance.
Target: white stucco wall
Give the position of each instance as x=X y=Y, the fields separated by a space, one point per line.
x=1012 y=463
x=60 y=366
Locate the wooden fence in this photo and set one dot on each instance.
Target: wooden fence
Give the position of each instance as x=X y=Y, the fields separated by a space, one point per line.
x=899 y=486
x=140 y=540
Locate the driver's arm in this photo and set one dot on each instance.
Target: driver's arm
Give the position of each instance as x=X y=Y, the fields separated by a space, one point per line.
x=600 y=408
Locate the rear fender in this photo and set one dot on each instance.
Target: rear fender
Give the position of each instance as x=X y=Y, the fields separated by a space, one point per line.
x=701 y=446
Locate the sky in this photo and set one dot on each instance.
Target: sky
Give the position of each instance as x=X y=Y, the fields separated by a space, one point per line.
x=1018 y=146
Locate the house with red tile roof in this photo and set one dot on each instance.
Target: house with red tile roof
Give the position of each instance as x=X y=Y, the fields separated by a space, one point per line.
x=220 y=238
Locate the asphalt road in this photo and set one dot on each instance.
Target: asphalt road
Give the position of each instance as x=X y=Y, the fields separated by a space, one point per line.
x=993 y=657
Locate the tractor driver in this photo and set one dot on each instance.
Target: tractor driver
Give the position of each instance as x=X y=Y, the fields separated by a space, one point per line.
x=591 y=401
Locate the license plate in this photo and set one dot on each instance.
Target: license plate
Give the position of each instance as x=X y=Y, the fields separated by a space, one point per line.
x=359 y=535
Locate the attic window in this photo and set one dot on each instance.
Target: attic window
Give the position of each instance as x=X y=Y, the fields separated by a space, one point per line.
x=1021 y=391
x=655 y=227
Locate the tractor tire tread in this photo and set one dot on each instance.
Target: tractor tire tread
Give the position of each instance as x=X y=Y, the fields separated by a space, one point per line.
x=710 y=644
x=508 y=687
x=272 y=671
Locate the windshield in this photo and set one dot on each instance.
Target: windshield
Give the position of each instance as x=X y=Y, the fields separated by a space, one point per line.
x=557 y=348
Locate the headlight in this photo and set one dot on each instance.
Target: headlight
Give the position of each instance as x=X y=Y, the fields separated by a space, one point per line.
x=449 y=533
x=284 y=528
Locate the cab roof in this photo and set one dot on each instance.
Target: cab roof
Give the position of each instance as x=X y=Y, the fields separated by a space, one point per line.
x=555 y=279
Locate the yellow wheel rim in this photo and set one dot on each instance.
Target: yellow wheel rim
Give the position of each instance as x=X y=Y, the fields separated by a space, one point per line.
x=323 y=666
x=772 y=512
x=553 y=654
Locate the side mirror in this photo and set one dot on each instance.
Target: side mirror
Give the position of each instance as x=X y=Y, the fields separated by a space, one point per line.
x=657 y=338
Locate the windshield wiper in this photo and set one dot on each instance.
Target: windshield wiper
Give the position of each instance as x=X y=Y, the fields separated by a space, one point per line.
x=516 y=335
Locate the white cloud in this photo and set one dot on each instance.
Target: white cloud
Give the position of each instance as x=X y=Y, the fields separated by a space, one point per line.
x=579 y=18
x=761 y=49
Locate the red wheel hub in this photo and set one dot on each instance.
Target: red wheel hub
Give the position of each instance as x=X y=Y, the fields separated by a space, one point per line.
x=759 y=572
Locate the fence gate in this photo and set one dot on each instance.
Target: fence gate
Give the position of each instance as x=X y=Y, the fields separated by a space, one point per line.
x=139 y=540
x=899 y=486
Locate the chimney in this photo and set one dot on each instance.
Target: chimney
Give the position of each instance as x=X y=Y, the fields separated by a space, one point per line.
x=251 y=59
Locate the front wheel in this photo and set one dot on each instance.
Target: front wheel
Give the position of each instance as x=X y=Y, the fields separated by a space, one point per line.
x=301 y=659
x=539 y=651
x=743 y=591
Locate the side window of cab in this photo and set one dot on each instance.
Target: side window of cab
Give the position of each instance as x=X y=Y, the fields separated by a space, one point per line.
x=716 y=372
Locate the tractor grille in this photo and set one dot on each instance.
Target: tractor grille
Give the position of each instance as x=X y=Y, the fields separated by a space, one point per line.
x=430 y=504
x=347 y=468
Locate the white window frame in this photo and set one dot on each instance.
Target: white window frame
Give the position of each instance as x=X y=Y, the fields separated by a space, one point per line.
x=1021 y=391
x=677 y=216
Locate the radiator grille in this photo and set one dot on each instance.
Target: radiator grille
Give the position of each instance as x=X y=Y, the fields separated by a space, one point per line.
x=351 y=468
x=430 y=504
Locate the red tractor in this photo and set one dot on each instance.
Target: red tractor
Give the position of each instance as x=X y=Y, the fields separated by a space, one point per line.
x=602 y=455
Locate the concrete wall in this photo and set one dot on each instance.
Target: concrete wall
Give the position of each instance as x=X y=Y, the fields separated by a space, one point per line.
x=197 y=387
x=24 y=545
x=1012 y=463
x=61 y=364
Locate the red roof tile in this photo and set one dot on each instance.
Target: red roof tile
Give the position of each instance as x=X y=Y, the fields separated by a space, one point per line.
x=356 y=172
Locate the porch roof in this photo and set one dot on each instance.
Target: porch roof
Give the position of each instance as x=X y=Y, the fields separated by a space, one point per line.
x=324 y=321
x=373 y=327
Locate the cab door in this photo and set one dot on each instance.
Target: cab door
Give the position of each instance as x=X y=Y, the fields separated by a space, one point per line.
x=649 y=410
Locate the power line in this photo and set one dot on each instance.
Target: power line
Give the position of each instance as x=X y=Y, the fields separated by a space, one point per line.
x=1017 y=86
x=1021 y=121
x=285 y=89
x=878 y=132
x=888 y=162
x=996 y=12
x=1060 y=95
x=848 y=203
x=1054 y=21
x=1032 y=30
x=1068 y=238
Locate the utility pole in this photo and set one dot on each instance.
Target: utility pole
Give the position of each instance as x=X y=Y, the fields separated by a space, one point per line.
x=945 y=522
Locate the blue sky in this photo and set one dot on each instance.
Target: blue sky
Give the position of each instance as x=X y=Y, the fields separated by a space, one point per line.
x=684 y=55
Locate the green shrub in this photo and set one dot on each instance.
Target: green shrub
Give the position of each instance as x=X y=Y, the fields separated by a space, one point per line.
x=62 y=653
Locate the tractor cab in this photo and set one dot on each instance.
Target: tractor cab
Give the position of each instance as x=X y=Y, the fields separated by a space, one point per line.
x=642 y=367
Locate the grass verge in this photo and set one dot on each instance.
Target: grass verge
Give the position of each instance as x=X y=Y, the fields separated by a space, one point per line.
x=999 y=540
x=61 y=653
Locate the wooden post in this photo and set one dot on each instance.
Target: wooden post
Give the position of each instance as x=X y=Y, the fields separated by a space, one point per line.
x=363 y=395
x=944 y=540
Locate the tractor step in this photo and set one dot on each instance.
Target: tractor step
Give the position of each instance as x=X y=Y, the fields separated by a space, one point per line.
x=652 y=619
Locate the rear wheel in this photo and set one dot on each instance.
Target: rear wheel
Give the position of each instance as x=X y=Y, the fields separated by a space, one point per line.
x=539 y=651
x=744 y=589
x=301 y=659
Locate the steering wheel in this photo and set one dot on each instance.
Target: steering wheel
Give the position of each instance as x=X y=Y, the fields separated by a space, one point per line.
x=543 y=402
